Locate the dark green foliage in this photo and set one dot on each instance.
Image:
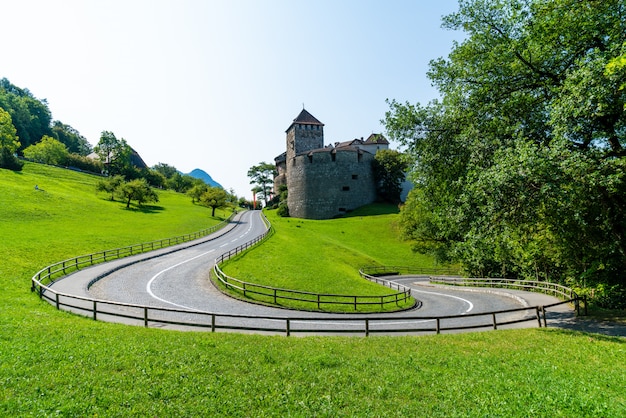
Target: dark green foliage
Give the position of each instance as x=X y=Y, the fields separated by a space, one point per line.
x=389 y=172
x=31 y=116
x=137 y=190
x=180 y=183
x=110 y=185
x=76 y=161
x=214 y=197
x=9 y=161
x=519 y=170
x=73 y=140
x=262 y=177
x=166 y=170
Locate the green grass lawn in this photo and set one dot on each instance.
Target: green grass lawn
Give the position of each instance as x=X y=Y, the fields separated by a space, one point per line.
x=54 y=363
x=325 y=256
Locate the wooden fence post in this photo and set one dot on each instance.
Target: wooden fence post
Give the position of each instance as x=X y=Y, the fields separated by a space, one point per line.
x=538 y=316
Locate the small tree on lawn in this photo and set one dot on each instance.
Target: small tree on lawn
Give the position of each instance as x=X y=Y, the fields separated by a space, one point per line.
x=110 y=185
x=214 y=197
x=137 y=190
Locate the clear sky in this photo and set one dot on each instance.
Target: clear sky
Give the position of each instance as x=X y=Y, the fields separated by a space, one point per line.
x=214 y=84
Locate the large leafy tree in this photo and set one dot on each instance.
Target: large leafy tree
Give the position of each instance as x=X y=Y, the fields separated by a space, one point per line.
x=137 y=190
x=115 y=154
x=31 y=116
x=262 y=176
x=9 y=142
x=214 y=197
x=519 y=168
x=167 y=170
x=47 y=151
x=73 y=140
x=389 y=171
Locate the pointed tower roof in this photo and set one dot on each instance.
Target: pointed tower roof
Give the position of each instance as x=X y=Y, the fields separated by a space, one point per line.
x=305 y=118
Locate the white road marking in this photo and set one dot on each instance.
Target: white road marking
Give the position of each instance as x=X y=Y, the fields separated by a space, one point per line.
x=470 y=304
x=149 y=285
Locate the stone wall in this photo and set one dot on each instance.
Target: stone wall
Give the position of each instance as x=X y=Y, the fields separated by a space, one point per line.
x=302 y=138
x=329 y=182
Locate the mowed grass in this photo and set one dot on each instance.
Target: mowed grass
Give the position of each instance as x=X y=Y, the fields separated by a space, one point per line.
x=324 y=257
x=57 y=364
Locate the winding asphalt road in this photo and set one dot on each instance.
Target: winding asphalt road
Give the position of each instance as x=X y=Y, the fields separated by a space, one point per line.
x=178 y=278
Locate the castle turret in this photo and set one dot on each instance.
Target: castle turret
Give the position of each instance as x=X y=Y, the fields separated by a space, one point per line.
x=305 y=133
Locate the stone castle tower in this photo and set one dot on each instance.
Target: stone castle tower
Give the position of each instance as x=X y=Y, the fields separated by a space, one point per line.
x=306 y=133
x=325 y=181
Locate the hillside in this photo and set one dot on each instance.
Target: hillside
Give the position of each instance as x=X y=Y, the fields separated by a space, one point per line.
x=54 y=363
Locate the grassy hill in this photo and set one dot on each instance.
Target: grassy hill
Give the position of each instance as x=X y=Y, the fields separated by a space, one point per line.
x=56 y=364
x=325 y=256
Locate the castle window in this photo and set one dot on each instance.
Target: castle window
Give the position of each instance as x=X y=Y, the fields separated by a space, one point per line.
x=355 y=176
x=342 y=210
x=346 y=188
x=310 y=158
x=333 y=156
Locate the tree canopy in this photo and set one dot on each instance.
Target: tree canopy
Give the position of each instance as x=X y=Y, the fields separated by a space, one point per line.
x=519 y=168
x=262 y=177
x=31 y=116
x=47 y=151
x=389 y=172
x=214 y=197
x=9 y=142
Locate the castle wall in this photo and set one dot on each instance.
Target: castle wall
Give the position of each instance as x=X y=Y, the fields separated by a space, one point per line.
x=327 y=183
x=309 y=137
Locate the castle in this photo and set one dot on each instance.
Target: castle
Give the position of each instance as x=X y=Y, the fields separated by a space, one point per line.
x=325 y=181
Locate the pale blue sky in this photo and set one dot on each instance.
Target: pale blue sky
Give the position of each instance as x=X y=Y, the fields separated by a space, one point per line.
x=214 y=84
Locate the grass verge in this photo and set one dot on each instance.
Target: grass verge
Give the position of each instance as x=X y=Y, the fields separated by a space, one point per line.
x=53 y=363
x=324 y=257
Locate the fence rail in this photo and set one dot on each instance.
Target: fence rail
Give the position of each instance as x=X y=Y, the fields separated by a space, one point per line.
x=365 y=324
x=374 y=272
x=147 y=316
x=318 y=300
x=48 y=274
x=553 y=289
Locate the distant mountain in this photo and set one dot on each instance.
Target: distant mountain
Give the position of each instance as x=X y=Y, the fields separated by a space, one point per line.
x=204 y=176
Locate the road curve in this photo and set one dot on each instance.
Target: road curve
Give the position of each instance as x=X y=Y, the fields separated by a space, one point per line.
x=179 y=278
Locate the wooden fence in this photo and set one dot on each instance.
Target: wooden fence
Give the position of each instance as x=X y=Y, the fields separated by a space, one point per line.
x=553 y=289
x=49 y=274
x=288 y=325
x=274 y=295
